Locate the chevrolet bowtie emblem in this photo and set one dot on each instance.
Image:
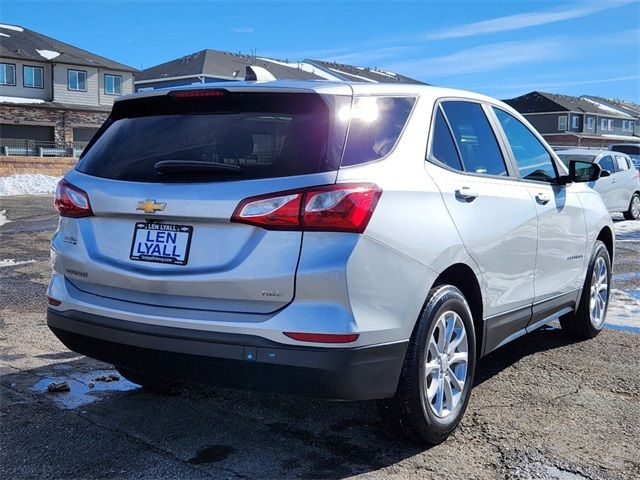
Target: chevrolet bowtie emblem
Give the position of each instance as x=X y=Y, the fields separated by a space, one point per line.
x=150 y=206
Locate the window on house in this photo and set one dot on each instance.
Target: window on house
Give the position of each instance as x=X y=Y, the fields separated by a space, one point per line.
x=7 y=74
x=77 y=80
x=113 y=84
x=575 y=122
x=590 y=123
x=475 y=138
x=32 y=77
x=603 y=124
x=609 y=124
x=562 y=122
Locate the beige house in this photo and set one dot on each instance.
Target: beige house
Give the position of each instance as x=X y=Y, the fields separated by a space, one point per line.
x=53 y=96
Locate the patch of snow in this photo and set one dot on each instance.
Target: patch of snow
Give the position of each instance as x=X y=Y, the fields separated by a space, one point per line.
x=305 y=67
x=48 y=54
x=20 y=100
x=353 y=75
x=624 y=309
x=28 y=184
x=607 y=108
x=627 y=230
x=10 y=262
x=4 y=35
x=12 y=27
x=620 y=137
x=3 y=218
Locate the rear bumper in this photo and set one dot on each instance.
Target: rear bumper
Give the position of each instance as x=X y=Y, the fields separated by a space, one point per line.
x=232 y=360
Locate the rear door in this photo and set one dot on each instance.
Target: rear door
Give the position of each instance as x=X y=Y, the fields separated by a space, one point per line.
x=562 y=236
x=607 y=186
x=494 y=215
x=164 y=178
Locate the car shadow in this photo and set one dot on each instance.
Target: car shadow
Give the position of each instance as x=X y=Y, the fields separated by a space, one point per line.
x=248 y=433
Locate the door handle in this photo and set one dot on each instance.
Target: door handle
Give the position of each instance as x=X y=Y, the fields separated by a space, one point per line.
x=613 y=180
x=542 y=198
x=466 y=193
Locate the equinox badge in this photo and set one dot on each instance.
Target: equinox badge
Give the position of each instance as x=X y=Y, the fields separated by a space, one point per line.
x=150 y=206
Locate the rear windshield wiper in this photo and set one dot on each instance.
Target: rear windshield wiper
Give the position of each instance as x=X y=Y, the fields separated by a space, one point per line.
x=196 y=166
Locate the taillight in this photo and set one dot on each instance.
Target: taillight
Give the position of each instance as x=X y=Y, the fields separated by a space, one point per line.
x=343 y=207
x=70 y=201
x=197 y=93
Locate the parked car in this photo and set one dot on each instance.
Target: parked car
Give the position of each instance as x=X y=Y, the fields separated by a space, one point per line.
x=631 y=149
x=340 y=241
x=620 y=185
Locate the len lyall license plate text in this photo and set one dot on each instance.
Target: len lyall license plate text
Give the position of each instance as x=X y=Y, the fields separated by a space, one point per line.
x=161 y=243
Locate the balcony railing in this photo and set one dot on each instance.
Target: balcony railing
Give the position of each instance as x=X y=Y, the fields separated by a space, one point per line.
x=37 y=148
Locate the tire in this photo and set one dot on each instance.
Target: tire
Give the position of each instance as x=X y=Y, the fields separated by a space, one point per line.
x=634 y=208
x=412 y=411
x=150 y=382
x=581 y=323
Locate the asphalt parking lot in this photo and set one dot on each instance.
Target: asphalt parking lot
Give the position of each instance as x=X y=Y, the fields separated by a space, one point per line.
x=543 y=406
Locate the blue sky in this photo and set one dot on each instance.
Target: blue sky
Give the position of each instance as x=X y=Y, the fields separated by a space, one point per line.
x=501 y=48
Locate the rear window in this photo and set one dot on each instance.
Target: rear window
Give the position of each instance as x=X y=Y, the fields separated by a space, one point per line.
x=628 y=149
x=233 y=136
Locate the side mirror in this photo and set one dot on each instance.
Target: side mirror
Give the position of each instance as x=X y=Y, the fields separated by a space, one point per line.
x=580 y=171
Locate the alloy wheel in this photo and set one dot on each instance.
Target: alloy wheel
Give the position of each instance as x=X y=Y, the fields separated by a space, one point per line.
x=446 y=364
x=599 y=292
x=635 y=206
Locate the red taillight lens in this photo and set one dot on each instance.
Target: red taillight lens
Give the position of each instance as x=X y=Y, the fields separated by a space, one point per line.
x=53 y=301
x=70 y=201
x=196 y=93
x=323 y=337
x=330 y=208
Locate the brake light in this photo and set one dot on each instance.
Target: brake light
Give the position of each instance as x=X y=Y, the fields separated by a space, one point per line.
x=70 y=201
x=197 y=93
x=330 y=208
x=323 y=337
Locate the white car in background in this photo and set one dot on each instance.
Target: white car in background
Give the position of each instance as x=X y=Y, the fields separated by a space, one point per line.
x=619 y=185
x=631 y=149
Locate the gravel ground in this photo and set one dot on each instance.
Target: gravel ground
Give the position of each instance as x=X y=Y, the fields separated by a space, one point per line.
x=543 y=406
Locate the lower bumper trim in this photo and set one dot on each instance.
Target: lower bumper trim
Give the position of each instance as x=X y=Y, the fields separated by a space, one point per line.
x=234 y=361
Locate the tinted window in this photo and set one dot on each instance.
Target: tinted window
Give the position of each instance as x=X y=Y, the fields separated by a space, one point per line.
x=376 y=124
x=628 y=149
x=443 y=148
x=606 y=163
x=534 y=161
x=475 y=138
x=235 y=136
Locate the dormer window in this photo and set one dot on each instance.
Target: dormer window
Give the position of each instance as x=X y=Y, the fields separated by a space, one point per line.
x=77 y=80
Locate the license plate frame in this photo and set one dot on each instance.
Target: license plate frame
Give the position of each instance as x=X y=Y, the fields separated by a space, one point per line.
x=150 y=256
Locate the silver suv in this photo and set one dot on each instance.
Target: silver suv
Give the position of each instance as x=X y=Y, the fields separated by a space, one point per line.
x=619 y=186
x=341 y=241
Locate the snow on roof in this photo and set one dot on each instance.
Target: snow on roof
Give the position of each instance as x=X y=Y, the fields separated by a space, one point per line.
x=12 y=27
x=48 y=54
x=4 y=35
x=607 y=108
x=20 y=100
x=306 y=67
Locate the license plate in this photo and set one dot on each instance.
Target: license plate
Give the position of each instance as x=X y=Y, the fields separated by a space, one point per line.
x=161 y=243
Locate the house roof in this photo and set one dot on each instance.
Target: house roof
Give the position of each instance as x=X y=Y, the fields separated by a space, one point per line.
x=24 y=44
x=624 y=106
x=540 y=102
x=223 y=65
x=352 y=73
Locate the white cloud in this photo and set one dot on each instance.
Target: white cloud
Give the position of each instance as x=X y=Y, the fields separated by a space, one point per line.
x=524 y=20
x=242 y=29
x=485 y=58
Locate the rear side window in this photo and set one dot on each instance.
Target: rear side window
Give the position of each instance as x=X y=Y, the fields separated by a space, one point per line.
x=443 y=148
x=622 y=163
x=230 y=136
x=475 y=138
x=375 y=126
x=606 y=163
x=534 y=161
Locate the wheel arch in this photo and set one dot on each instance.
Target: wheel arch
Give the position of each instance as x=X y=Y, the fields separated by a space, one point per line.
x=464 y=279
x=606 y=237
